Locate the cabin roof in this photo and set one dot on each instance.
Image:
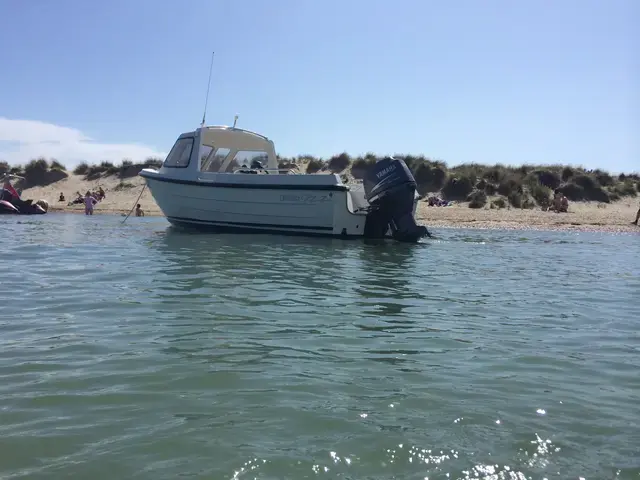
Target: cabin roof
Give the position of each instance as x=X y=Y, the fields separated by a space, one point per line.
x=225 y=128
x=233 y=138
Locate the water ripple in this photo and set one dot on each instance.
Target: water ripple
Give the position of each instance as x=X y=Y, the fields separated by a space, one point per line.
x=135 y=351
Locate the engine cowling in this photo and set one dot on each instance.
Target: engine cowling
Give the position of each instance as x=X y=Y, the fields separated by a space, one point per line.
x=390 y=190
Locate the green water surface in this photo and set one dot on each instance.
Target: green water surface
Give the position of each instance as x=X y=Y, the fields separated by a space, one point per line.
x=137 y=351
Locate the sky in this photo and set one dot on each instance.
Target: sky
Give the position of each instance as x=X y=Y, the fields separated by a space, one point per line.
x=486 y=81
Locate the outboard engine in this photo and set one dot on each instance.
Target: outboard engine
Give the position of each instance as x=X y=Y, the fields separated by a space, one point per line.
x=390 y=190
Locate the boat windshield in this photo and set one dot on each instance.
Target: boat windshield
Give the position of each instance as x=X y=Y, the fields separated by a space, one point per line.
x=252 y=159
x=211 y=158
x=223 y=160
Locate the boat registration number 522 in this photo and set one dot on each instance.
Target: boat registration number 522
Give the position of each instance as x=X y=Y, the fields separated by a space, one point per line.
x=304 y=198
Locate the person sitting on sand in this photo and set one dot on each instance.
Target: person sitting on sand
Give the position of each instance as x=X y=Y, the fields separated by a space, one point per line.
x=564 y=204
x=139 y=211
x=89 y=201
x=437 y=202
x=560 y=203
x=78 y=200
x=635 y=222
x=61 y=199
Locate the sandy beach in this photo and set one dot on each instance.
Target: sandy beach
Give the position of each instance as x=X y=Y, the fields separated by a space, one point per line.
x=582 y=216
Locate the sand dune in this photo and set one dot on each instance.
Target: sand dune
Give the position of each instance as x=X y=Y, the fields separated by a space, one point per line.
x=613 y=217
x=120 y=194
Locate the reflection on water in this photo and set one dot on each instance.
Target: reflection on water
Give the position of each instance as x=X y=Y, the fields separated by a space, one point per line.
x=146 y=352
x=389 y=275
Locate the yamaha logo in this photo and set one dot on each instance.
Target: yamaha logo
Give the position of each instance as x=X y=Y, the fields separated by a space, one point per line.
x=387 y=170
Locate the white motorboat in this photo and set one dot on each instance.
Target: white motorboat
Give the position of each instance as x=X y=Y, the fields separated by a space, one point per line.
x=227 y=178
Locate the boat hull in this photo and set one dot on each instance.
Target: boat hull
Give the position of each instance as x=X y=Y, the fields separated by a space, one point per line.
x=189 y=224
x=307 y=210
x=8 y=208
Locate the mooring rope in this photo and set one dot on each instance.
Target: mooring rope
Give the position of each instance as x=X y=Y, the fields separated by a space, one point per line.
x=135 y=203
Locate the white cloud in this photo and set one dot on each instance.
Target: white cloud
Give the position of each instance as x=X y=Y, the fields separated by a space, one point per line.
x=23 y=140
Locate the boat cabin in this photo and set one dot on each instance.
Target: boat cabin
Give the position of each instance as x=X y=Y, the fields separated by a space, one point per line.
x=221 y=149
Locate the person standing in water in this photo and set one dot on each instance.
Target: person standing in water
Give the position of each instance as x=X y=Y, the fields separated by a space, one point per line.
x=139 y=211
x=89 y=201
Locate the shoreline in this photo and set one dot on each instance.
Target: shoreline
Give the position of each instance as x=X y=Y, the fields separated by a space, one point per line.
x=566 y=223
x=615 y=217
x=564 y=227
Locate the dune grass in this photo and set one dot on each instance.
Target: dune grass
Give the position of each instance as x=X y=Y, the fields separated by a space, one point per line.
x=523 y=186
x=495 y=186
x=41 y=172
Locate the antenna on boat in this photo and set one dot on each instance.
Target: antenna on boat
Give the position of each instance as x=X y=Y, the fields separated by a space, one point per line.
x=206 y=100
x=235 y=120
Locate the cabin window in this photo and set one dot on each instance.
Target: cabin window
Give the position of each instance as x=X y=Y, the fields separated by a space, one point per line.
x=205 y=151
x=180 y=153
x=213 y=159
x=247 y=158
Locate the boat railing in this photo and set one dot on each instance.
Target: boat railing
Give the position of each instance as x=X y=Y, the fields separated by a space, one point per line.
x=279 y=171
x=7 y=177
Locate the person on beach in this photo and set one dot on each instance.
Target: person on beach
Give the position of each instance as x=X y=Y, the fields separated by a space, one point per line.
x=89 y=201
x=635 y=222
x=139 y=211
x=564 y=204
x=10 y=191
x=560 y=203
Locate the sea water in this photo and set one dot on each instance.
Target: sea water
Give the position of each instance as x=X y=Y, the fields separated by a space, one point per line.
x=137 y=351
